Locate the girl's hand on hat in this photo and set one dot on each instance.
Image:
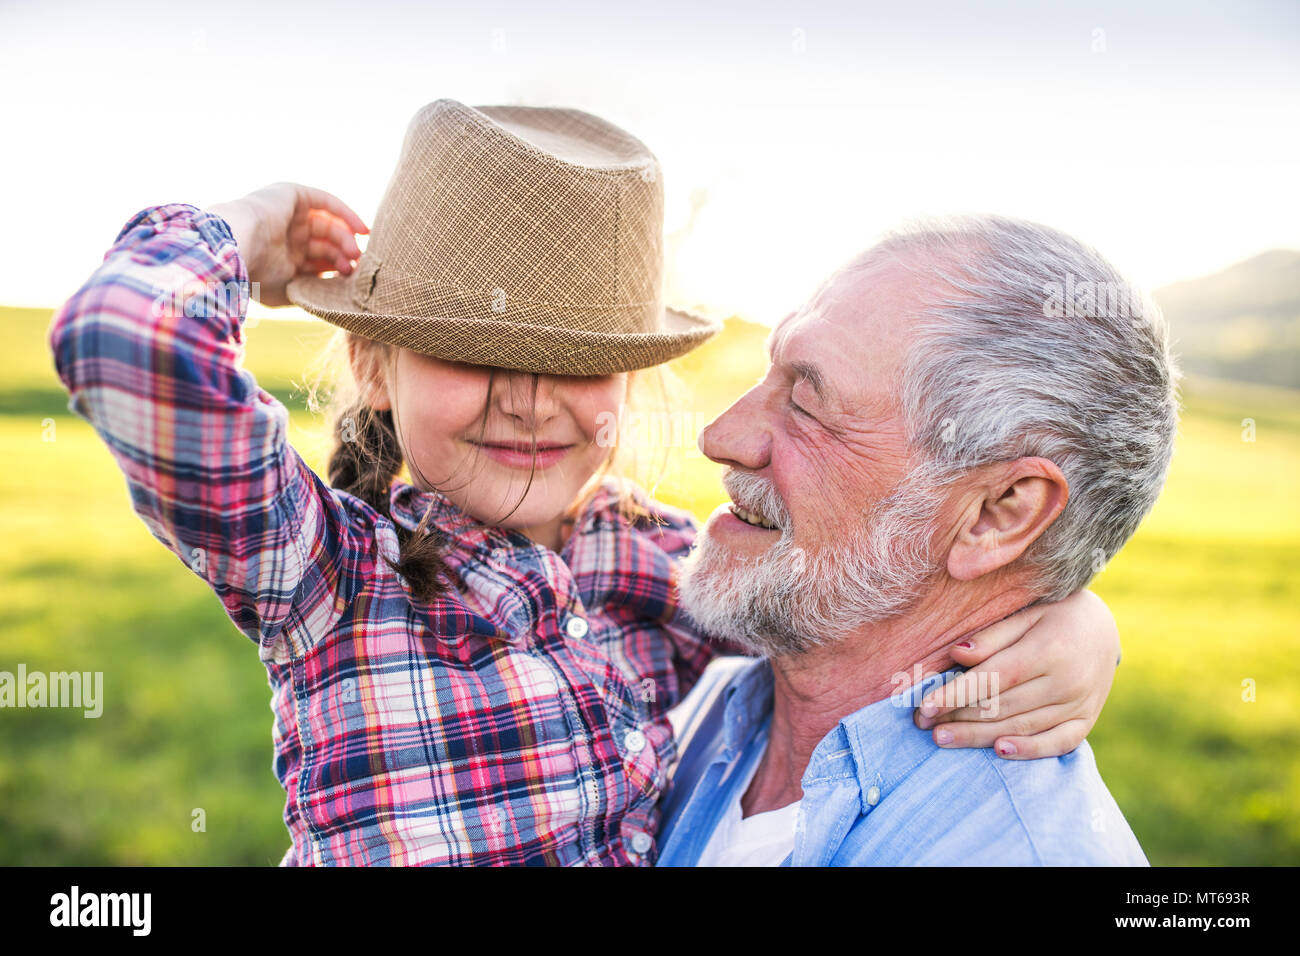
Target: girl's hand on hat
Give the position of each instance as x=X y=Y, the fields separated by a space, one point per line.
x=286 y=230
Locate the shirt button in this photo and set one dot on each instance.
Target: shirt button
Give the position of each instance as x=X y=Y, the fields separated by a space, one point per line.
x=634 y=741
x=642 y=842
x=873 y=796
x=576 y=628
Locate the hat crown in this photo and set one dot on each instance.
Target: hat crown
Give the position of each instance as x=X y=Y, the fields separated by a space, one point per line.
x=541 y=216
x=515 y=237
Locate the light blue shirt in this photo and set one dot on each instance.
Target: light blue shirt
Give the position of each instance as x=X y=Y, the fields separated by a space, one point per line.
x=880 y=792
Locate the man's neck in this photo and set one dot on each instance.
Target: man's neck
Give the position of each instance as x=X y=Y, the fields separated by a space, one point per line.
x=814 y=690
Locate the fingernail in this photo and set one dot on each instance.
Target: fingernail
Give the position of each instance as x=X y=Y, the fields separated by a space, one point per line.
x=929 y=709
x=1006 y=748
x=966 y=645
x=943 y=737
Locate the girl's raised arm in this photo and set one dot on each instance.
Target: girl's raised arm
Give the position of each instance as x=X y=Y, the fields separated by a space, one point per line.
x=150 y=349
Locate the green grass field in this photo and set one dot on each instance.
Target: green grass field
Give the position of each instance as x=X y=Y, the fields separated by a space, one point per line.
x=1207 y=596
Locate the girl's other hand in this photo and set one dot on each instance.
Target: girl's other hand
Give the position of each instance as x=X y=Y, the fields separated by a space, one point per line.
x=286 y=230
x=1037 y=681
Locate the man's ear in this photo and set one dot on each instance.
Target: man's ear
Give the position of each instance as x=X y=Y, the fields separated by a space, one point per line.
x=369 y=375
x=1015 y=504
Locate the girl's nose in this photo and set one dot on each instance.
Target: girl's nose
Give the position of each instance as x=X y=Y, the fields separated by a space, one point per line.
x=526 y=397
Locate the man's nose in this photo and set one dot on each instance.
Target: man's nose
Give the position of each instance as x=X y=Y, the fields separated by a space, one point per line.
x=740 y=436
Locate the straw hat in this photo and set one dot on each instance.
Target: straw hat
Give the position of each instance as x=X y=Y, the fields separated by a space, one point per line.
x=519 y=237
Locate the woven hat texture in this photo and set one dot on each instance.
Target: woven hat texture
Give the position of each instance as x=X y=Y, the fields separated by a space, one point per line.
x=521 y=237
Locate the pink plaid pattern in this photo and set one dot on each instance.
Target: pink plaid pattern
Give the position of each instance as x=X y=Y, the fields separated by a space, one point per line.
x=519 y=720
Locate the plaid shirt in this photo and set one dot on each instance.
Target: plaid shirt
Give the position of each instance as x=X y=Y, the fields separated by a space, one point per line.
x=519 y=721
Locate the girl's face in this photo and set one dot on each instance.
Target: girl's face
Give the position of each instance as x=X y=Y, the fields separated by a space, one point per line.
x=480 y=450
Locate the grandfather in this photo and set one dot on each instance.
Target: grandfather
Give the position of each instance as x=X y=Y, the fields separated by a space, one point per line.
x=963 y=421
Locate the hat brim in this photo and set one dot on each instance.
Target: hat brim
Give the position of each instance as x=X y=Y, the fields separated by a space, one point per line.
x=528 y=348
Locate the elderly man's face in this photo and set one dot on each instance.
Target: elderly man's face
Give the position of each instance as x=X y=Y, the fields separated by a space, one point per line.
x=820 y=536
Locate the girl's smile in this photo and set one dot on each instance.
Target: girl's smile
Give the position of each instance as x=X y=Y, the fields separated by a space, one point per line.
x=508 y=448
x=523 y=454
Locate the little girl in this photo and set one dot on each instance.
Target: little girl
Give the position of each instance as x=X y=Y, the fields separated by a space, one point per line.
x=475 y=667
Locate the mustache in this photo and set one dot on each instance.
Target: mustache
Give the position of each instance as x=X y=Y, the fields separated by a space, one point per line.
x=755 y=493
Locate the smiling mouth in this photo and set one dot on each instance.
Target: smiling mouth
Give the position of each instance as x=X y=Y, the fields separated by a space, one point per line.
x=522 y=454
x=752 y=518
x=523 y=447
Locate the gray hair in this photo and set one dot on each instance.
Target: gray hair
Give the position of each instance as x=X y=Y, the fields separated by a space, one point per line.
x=1031 y=344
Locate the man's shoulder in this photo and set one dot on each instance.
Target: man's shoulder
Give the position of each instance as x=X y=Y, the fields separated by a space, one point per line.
x=975 y=808
x=1067 y=811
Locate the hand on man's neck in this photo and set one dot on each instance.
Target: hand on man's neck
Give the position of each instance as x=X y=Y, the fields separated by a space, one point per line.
x=813 y=691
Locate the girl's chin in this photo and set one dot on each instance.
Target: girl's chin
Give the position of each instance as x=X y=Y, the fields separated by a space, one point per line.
x=533 y=518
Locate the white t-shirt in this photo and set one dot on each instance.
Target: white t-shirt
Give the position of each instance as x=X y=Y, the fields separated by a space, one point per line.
x=765 y=839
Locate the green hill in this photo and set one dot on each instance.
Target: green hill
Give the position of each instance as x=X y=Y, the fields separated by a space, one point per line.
x=1241 y=323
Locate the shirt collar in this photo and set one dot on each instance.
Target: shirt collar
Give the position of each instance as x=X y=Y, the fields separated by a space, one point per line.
x=407 y=505
x=746 y=705
x=608 y=564
x=876 y=746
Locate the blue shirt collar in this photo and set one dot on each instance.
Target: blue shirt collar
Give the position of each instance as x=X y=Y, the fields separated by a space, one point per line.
x=748 y=703
x=875 y=746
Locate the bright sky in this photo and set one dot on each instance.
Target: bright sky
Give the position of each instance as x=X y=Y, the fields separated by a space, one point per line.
x=1167 y=136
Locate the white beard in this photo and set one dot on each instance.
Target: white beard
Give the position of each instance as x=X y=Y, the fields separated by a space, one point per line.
x=790 y=599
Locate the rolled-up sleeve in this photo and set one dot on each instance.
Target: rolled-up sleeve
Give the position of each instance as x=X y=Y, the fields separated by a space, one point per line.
x=150 y=349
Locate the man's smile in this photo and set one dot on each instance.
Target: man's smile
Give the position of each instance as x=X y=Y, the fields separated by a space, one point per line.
x=752 y=517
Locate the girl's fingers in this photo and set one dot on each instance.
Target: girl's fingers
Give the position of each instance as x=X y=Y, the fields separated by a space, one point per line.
x=1031 y=695
x=320 y=199
x=321 y=225
x=1056 y=742
x=999 y=673
x=314 y=265
x=317 y=266
x=997 y=636
x=991 y=655
x=323 y=249
x=1014 y=729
